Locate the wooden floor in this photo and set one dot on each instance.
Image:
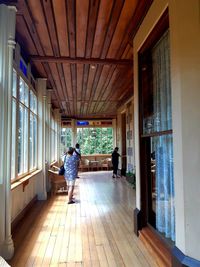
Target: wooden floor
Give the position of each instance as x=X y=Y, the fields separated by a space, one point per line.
x=96 y=231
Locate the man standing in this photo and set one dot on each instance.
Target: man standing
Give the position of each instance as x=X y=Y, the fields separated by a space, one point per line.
x=115 y=161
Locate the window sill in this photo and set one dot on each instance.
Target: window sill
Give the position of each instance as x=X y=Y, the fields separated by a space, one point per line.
x=24 y=181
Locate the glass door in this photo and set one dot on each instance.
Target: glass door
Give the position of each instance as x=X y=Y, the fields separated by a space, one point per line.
x=156 y=137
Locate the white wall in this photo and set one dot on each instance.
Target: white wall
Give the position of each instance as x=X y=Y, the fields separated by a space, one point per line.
x=185 y=76
x=20 y=198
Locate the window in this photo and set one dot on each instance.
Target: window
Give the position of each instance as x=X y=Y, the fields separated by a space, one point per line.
x=24 y=127
x=33 y=131
x=95 y=140
x=66 y=139
x=53 y=138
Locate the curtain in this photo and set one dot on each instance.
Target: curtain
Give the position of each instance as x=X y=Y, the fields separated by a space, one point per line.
x=163 y=144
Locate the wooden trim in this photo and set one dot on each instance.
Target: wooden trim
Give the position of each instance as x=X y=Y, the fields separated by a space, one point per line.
x=81 y=60
x=162 y=254
x=157 y=133
x=23 y=181
x=21 y=215
x=157 y=32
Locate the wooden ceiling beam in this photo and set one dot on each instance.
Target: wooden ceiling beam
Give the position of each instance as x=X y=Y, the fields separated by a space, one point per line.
x=80 y=60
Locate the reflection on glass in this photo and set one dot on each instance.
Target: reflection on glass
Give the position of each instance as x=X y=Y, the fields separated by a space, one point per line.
x=25 y=140
x=13 y=138
x=157 y=114
x=21 y=90
x=34 y=142
x=14 y=86
x=162 y=184
x=31 y=142
x=20 y=140
x=26 y=94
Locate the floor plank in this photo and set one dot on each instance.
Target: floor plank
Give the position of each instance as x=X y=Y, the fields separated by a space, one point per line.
x=96 y=231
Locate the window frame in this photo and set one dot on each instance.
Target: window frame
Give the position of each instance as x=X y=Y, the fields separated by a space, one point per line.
x=15 y=175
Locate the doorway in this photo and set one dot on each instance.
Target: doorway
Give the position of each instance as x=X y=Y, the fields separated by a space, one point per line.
x=123 y=136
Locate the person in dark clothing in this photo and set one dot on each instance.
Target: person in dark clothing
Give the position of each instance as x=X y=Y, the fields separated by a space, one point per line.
x=115 y=161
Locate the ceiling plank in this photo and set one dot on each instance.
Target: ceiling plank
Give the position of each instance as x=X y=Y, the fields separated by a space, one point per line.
x=82 y=7
x=49 y=18
x=59 y=8
x=102 y=24
x=71 y=14
x=114 y=16
x=77 y=60
x=91 y=28
x=122 y=25
x=38 y=23
x=36 y=39
x=74 y=86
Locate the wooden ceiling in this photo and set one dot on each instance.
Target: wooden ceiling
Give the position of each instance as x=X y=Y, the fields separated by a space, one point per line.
x=84 y=49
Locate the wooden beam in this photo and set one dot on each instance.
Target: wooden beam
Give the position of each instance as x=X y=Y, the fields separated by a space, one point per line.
x=80 y=60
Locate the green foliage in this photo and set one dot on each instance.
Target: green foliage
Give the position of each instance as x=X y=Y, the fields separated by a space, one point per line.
x=95 y=140
x=130 y=177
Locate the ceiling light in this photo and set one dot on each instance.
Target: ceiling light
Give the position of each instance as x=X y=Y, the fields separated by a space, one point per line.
x=93 y=67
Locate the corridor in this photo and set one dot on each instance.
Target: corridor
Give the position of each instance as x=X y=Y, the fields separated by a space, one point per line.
x=96 y=231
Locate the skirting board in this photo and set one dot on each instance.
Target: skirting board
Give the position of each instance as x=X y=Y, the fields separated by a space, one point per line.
x=180 y=260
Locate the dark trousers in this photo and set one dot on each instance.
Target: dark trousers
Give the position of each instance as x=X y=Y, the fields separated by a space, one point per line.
x=115 y=168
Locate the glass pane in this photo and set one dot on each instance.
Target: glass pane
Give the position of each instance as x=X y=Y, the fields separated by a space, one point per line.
x=21 y=90
x=157 y=115
x=14 y=87
x=13 y=139
x=110 y=141
x=34 y=142
x=20 y=140
x=31 y=142
x=162 y=185
x=26 y=94
x=52 y=145
x=95 y=140
x=25 y=140
x=31 y=101
x=35 y=104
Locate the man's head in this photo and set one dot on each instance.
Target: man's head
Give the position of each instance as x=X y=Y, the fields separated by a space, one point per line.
x=70 y=150
x=77 y=145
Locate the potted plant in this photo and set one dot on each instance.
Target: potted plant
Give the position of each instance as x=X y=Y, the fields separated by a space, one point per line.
x=130 y=177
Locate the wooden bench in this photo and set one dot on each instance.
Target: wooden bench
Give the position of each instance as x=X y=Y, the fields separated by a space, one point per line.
x=57 y=182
